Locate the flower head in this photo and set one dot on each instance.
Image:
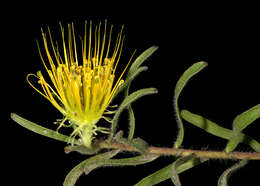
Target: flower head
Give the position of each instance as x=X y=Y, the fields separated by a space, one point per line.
x=82 y=85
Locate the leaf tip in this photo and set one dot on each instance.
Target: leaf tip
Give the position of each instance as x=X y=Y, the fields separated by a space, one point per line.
x=13 y=115
x=156 y=47
x=155 y=91
x=205 y=63
x=67 y=150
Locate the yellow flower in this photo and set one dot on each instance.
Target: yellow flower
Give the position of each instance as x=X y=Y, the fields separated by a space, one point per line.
x=82 y=85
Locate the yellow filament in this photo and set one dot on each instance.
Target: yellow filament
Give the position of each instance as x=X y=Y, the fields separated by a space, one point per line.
x=75 y=46
x=82 y=88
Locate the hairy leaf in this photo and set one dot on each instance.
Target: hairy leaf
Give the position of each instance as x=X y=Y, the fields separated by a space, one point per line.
x=130 y=112
x=187 y=75
x=138 y=160
x=174 y=174
x=137 y=143
x=77 y=171
x=165 y=173
x=135 y=70
x=41 y=130
x=234 y=140
x=127 y=101
x=246 y=118
x=81 y=149
x=223 y=179
x=129 y=79
x=131 y=123
x=217 y=130
x=141 y=58
x=240 y=123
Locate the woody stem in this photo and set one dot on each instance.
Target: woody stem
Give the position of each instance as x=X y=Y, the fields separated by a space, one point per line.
x=164 y=151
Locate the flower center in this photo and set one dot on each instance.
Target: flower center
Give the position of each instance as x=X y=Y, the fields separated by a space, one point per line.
x=85 y=90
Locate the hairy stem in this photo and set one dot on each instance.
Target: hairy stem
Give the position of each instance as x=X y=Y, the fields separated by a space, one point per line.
x=164 y=151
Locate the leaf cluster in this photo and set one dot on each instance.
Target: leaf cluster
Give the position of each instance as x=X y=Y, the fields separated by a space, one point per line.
x=233 y=136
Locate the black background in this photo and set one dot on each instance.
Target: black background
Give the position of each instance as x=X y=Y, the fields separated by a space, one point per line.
x=226 y=36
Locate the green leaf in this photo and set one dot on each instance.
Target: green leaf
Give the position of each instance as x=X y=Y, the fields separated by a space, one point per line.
x=246 y=118
x=135 y=70
x=138 y=160
x=223 y=179
x=129 y=79
x=137 y=143
x=129 y=108
x=165 y=173
x=234 y=140
x=141 y=58
x=217 y=130
x=240 y=123
x=131 y=115
x=127 y=101
x=187 y=75
x=174 y=174
x=82 y=149
x=206 y=124
x=131 y=123
x=41 y=130
x=157 y=177
x=77 y=171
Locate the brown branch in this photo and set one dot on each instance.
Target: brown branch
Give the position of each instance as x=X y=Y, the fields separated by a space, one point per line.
x=164 y=151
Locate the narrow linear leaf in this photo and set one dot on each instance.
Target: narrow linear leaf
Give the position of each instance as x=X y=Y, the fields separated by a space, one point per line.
x=41 y=130
x=135 y=70
x=157 y=177
x=223 y=179
x=141 y=58
x=251 y=142
x=137 y=143
x=131 y=123
x=138 y=160
x=165 y=173
x=240 y=123
x=127 y=101
x=129 y=79
x=234 y=140
x=187 y=75
x=77 y=171
x=136 y=95
x=140 y=145
x=130 y=114
x=206 y=124
x=246 y=118
x=81 y=149
x=119 y=135
x=217 y=130
x=174 y=174
x=129 y=108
